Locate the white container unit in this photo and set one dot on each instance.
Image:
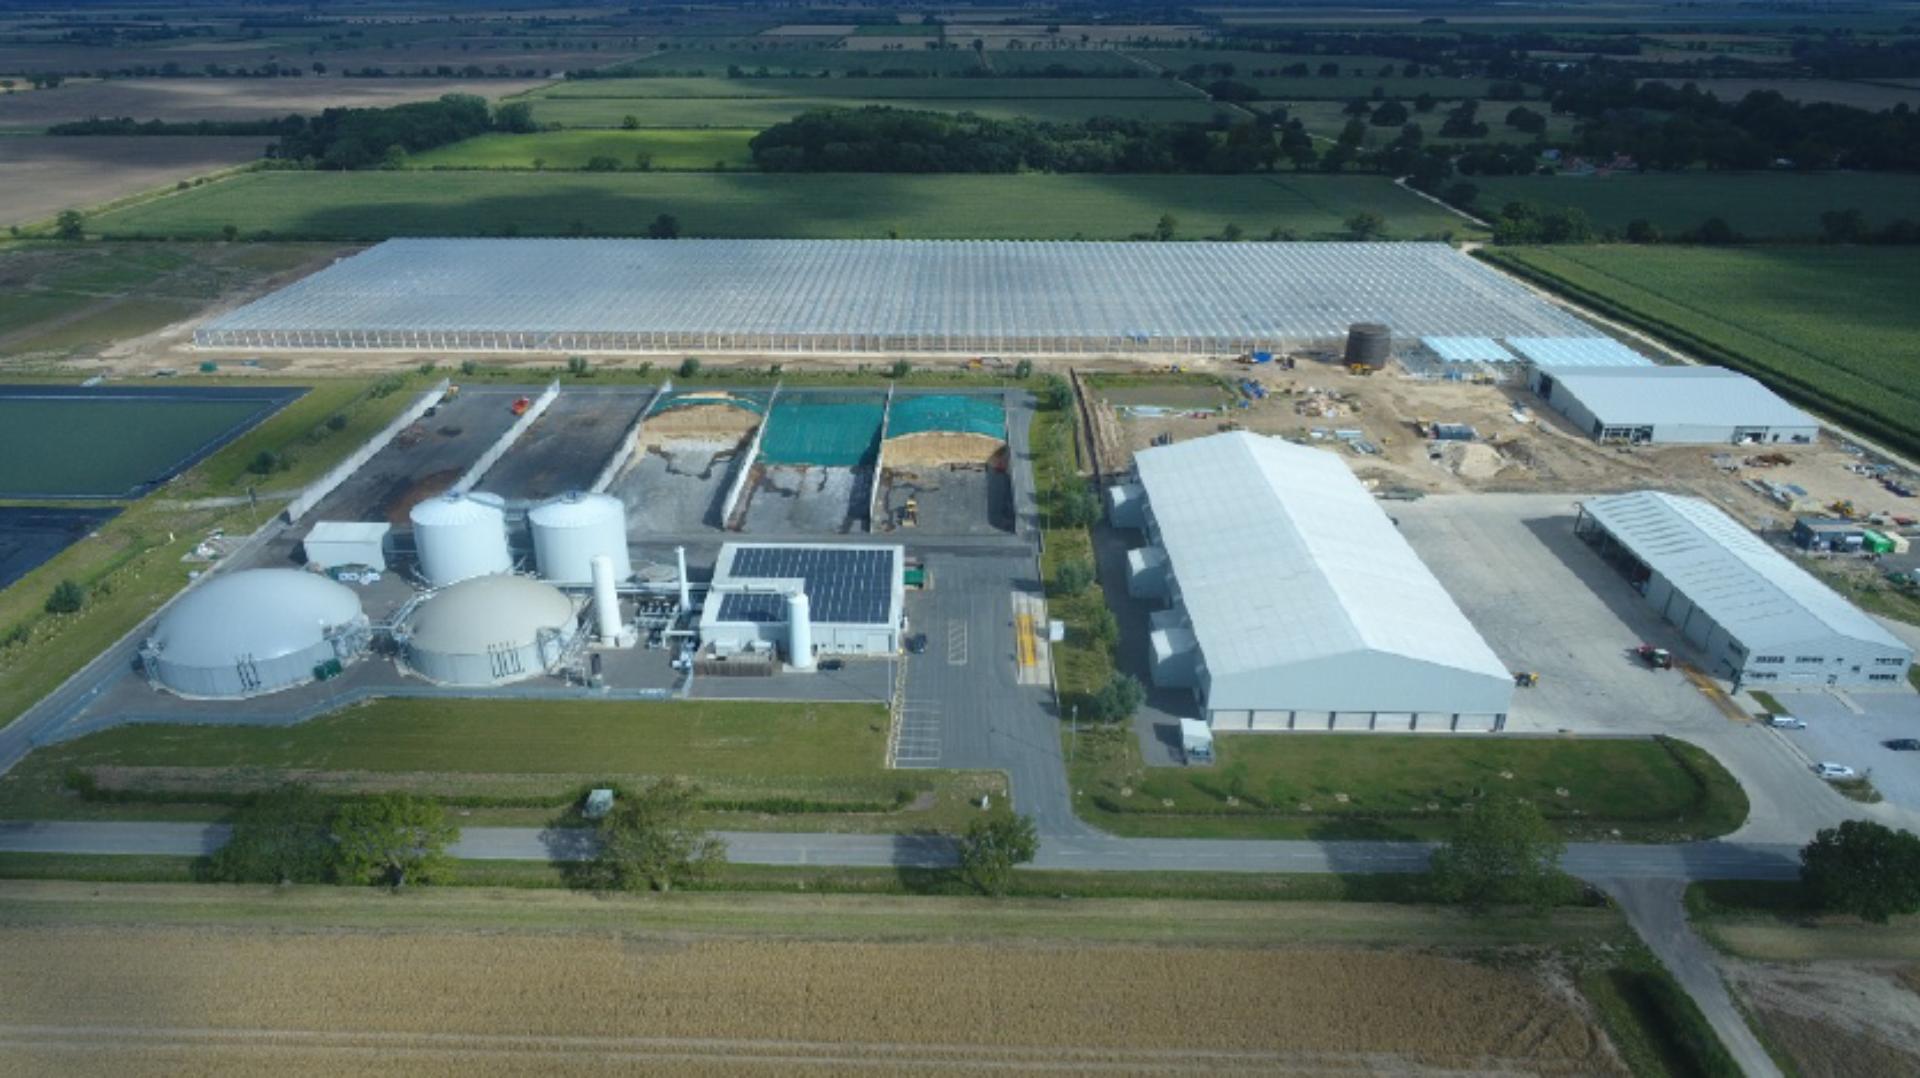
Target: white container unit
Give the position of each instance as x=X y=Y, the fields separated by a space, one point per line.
x=572 y=530
x=460 y=537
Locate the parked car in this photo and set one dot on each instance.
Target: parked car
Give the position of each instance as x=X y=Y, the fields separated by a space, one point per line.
x=1827 y=769
x=917 y=643
x=1903 y=744
x=829 y=665
x=1786 y=722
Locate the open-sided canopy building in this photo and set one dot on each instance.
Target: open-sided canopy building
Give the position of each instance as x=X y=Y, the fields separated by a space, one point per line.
x=1757 y=616
x=584 y=295
x=1294 y=601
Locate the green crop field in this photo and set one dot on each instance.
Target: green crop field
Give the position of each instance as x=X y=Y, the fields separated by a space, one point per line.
x=795 y=60
x=864 y=89
x=1759 y=205
x=664 y=149
x=105 y=447
x=376 y=205
x=763 y=112
x=1835 y=327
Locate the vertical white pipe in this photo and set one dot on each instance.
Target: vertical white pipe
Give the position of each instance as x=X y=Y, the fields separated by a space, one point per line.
x=606 y=603
x=799 y=631
x=686 y=601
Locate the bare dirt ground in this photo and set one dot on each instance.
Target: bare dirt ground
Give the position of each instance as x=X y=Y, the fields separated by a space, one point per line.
x=183 y=100
x=40 y=175
x=1522 y=447
x=235 y=997
x=1836 y=1019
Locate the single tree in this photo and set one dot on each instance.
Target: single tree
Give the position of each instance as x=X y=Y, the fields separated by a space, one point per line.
x=900 y=369
x=1072 y=577
x=689 y=367
x=67 y=598
x=1641 y=230
x=630 y=122
x=1163 y=229
x=650 y=841
x=578 y=366
x=1863 y=868
x=992 y=847
x=394 y=839
x=1366 y=226
x=230 y=232
x=1503 y=852
x=1118 y=699
x=1056 y=394
x=279 y=836
x=664 y=227
x=69 y=225
x=1079 y=506
x=1023 y=369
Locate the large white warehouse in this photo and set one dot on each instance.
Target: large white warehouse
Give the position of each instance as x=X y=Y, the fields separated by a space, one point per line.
x=253 y=632
x=490 y=630
x=1293 y=601
x=842 y=600
x=1758 y=617
x=1672 y=406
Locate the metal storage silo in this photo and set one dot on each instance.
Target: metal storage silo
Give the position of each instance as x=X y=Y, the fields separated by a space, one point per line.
x=1369 y=343
x=571 y=530
x=460 y=537
x=255 y=631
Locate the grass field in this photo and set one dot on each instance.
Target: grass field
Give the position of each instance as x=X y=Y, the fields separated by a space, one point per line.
x=1834 y=327
x=793 y=60
x=76 y=447
x=1759 y=205
x=669 y=149
x=513 y=763
x=764 y=112
x=861 y=89
x=710 y=984
x=376 y=205
x=1386 y=786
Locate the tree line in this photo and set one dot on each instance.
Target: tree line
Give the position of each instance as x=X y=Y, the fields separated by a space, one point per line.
x=127 y=125
x=373 y=138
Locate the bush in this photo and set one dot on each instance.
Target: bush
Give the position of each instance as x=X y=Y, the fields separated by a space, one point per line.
x=67 y=598
x=900 y=369
x=469 y=367
x=1079 y=505
x=1072 y=577
x=1119 y=698
x=1055 y=393
x=689 y=367
x=577 y=366
x=266 y=462
x=337 y=422
x=1023 y=369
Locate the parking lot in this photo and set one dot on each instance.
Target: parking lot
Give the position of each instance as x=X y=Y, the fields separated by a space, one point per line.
x=1547 y=604
x=1851 y=727
x=568 y=445
x=424 y=459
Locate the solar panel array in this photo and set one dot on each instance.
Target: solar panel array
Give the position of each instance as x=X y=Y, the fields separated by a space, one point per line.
x=925 y=295
x=844 y=585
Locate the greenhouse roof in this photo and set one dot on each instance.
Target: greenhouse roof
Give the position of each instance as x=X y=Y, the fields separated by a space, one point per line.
x=535 y=293
x=1468 y=349
x=1553 y=352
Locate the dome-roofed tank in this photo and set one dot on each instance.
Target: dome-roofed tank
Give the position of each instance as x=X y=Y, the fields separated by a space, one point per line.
x=459 y=536
x=571 y=530
x=489 y=630
x=255 y=631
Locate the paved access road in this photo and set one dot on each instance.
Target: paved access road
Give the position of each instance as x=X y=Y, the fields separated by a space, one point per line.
x=1090 y=852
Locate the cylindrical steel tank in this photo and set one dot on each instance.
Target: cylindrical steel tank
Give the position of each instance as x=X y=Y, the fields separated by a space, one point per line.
x=489 y=630
x=571 y=530
x=799 y=631
x=460 y=537
x=255 y=631
x=1369 y=343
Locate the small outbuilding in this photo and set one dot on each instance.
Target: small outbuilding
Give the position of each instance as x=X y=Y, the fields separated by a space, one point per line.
x=1673 y=406
x=255 y=631
x=331 y=544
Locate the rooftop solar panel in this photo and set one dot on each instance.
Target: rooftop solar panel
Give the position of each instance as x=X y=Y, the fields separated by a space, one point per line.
x=850 y=585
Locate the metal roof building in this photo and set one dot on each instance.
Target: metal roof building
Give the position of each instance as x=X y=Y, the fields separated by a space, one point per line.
x=854 y=599
x=1758 y=617
x=1307 y=609
x=1673 y=406
x=255 y=631
x=1563 y=352
x=583 y=295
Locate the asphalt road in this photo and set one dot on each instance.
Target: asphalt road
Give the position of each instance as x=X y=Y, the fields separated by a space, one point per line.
x=1088 y=852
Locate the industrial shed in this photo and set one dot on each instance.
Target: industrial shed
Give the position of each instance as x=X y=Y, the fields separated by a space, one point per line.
x=1672 y=406
x=1759 y=618
x=967 y=296
x=1295 y=604
x=805 y=599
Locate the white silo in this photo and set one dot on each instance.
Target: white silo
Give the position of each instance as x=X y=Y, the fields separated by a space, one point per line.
x=460 y=537
x=799 y=631
x=571 y=530
x=606 y=606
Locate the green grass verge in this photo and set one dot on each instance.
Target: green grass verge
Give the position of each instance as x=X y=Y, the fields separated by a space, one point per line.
x=762 y=766
x=376 y=205
x=1657 y=1028
x=1405 y=786
x=559 y=150
x=1081 y=663
x=1759 y=205
x=1834 y=328
x=1766 y=699
x=133 y=563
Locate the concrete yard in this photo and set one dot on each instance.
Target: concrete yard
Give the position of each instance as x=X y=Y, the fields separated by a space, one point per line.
x=566 y=447
x=425 y=459
x=949 y=500
x=793 y=499
x=676 y=488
